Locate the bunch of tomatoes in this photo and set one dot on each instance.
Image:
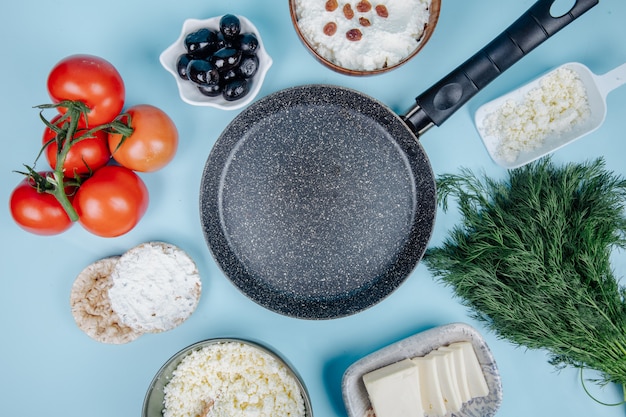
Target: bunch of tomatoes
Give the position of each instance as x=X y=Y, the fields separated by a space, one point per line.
x=94 y=150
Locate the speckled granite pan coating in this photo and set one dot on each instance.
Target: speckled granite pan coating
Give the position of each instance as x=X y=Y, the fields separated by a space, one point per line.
x=317 y=201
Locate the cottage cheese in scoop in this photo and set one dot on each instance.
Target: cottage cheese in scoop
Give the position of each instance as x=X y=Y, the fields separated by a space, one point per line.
x=557 y=105
x=363 y=35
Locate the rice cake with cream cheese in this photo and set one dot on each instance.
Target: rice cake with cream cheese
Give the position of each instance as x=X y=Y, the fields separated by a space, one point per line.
x=156 y=287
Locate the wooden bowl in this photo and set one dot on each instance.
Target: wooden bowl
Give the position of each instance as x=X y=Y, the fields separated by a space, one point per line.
x=310 y=44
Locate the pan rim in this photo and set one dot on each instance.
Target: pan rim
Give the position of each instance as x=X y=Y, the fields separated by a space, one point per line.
x=302 y=305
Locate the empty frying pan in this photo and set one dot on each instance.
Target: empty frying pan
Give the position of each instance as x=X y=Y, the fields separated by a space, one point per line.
x=318 y=201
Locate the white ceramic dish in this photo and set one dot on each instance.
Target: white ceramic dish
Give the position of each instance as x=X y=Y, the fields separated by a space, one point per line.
x=189 y=93
x=597 y=87
x=355 y=395
x=153 y=402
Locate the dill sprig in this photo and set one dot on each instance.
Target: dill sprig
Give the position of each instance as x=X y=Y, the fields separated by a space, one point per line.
x=531 y=260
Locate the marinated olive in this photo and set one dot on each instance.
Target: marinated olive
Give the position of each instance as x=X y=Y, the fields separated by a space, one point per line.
x=248 y=66
x=226 y=58
x=181 y=65
x=202 y=42
x=223 y=42
x=248 y=43
x=213 y=90
x=229 y=75
x=220 y=61
x=202 y=71
x=230 y=26
x=235 y=89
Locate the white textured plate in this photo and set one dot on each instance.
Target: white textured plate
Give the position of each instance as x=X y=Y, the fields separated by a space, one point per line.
x=189 y=93
x=355 y=396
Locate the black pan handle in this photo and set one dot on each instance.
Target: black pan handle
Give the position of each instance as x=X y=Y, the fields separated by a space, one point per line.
x=438 y=103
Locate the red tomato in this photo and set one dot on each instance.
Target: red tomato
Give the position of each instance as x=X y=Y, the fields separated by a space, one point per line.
x=37 y=212
x=153 y=143
x=112 y=201
x=92 y=80
x=83 y=157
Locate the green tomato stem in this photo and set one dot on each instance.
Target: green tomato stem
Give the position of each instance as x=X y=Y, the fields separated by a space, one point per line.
x=75 y=111
x=61 y=196
x=59 y=191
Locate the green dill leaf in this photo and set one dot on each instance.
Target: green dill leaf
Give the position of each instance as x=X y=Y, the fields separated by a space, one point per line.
x=531 y=259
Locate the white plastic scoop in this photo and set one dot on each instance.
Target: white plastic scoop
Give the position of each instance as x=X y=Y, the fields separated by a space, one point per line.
x=551 y=135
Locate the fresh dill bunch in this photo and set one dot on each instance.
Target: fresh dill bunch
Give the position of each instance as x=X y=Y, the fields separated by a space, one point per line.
x=531 y=260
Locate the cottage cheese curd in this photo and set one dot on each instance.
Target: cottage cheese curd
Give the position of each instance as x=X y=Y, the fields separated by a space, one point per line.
x=232 y=379
x=556 y=106
x=363 y=35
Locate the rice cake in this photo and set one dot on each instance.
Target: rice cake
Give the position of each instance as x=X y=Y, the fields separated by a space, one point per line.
x=91 y=307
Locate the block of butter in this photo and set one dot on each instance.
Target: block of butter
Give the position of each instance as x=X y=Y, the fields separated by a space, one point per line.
x=474 y=373
x=433 y=401
x=457 y=361
x=436 y=384
x=394 y=390
x=448 y=381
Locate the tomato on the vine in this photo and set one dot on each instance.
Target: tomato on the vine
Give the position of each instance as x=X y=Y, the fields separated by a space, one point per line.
x=91 y=80
x=112 y=201
x=153 y=143
x=83 y=157
x=36 y=211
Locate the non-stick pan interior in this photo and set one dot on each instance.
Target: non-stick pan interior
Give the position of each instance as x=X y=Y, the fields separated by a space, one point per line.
x=317 y=202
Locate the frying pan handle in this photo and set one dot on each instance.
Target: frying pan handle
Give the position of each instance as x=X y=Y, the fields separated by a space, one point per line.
x=531 y=29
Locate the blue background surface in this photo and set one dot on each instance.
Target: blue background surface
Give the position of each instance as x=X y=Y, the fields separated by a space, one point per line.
x=49 y=367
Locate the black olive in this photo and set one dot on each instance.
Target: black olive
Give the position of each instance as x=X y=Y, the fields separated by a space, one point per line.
x=213 y=90
x=229 y=75
x=201 y=71
x=181 y=65
x=235 y=89
x=226 y=58
x=202 y=42
x=248 y=43
x=222 y=42
x=230 y=26
x=248 y=66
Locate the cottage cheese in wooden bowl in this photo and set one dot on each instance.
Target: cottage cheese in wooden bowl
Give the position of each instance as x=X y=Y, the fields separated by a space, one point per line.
x=364 y=37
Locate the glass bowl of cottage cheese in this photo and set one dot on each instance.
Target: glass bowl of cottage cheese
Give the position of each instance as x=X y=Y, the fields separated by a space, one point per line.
x=364 y=37
x=226 y=377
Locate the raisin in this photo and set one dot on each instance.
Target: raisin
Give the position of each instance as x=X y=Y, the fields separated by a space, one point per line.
x=364 y=21
x=330 y=28
x=354 y=35
x=348 y=12
x=363 y=6
x=382 y=11
x=331 y=5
